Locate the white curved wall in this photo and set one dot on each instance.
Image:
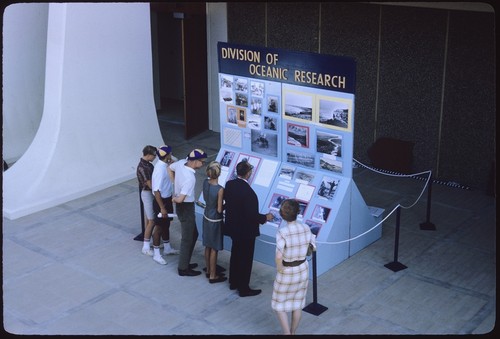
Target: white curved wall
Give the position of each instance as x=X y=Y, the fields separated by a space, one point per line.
x=24 y=48
x=98 y=110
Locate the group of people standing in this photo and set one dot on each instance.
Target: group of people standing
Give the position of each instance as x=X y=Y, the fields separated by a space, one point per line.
x=236 y=207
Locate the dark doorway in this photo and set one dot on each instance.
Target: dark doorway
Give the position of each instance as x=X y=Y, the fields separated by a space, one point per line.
x=181 y=59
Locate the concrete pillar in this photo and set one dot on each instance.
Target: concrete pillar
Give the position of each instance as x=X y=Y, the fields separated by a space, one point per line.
x=98 y=109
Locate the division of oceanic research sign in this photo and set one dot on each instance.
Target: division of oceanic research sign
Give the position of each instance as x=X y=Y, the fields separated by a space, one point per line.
x=299 y=68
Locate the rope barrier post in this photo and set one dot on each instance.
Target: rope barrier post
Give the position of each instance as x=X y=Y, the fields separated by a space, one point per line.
x=314 y=308
x=396 y=266
x=140 y=237
x=428 y=225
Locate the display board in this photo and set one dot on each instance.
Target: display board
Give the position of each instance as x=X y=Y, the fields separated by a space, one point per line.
x=291 y=115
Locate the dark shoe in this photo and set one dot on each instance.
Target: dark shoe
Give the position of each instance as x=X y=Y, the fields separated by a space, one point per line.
x=217 y=280
x=219 y=274
x=218 y=269
x=189 y=273
x=191 y=266
x=249 y=293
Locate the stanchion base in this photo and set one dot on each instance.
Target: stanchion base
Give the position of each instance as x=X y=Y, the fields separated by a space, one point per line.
x=139 y=237
x=315 y=308
x=427 y=226
x=395 y=266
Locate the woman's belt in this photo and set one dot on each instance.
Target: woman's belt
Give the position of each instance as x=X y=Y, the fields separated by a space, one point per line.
x=293 y=263
x=212 y=220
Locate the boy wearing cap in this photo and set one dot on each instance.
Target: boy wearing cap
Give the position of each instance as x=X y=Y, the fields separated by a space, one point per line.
x=162 y=203
x=183 y=172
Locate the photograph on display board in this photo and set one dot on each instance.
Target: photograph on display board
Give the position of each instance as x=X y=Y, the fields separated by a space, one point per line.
x=241 y=99
x=241 y=85
x=298 y=106
x=287 y=172
x=330 y=163
x=257 y=88
x=276 y=201
x=242 y=117
x=254 y=161
x=303 y=159
x=297 y=135
x=314 y=226
x=270 y=123
x=304 y=177
x=302 y=208
x=273 y=103
x=256 y=105
x=327 y=187
x=329 y=143
x=231 y=115
x=226 y=89
x=321 y=213
x=335 y=112
x=276 y=220
x=254 y=121
x=226 y=159
x=264 y=143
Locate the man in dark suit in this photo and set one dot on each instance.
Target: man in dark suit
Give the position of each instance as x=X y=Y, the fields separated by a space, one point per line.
x=242 y=222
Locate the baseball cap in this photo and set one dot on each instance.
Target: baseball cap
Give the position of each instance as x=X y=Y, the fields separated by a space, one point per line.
x=197 y=154
x=164 y=150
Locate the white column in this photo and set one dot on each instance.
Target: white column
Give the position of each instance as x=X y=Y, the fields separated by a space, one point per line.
x=98 y=109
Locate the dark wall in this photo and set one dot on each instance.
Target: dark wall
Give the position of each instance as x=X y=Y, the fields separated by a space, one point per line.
x=423 y=75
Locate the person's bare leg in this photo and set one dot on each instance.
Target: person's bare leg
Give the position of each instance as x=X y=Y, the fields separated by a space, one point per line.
x=207 y=259
x=213 y=263
x=296 y=315
x=283 y=318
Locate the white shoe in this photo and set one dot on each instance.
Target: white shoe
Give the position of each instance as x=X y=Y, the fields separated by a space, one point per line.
x=170 y=251
x=147 y=251
x=160 y=260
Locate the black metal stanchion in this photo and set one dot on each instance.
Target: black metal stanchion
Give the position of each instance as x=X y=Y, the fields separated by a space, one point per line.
x=315 y=308
x=428 y=225
x=395 y=265
x=140 y=237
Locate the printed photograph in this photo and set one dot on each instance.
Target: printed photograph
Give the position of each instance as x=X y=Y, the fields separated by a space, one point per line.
x=297 y=135
x=314 y=226
x=226 y=89
x=227 y=158
x=321 y=213
x=256 y=105
x=329 y=143
x=264 y=143
x=276 y=201
x=270 y=123
x=242 y=117
x=241 y=99
x=276 y=218
x=231 y=115
x=298 y=106
x=331 y=164
x=273 y=103
x=241 y=85
x=257 y=88
x=328 y=187
x=287 y=172
x=335 y=113
x=254 y=121
x=304 y=177
x=303 y=159
x=302 y=208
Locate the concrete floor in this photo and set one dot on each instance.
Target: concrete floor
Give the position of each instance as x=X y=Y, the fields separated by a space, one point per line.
x=75 y=269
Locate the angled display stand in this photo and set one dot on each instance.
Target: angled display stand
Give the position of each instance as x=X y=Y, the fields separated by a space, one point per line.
x=291 y=115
